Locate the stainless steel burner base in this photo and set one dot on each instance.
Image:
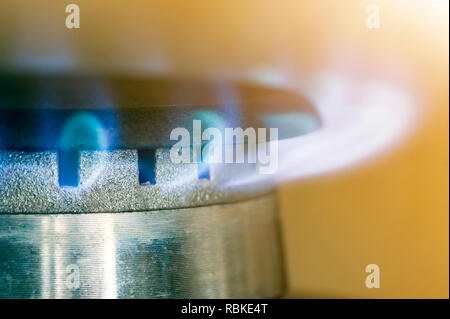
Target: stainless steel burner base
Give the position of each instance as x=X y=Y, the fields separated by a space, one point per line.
x=220 y=251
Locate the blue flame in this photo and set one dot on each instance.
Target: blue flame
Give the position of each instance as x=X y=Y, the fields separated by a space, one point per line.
x=83 y=131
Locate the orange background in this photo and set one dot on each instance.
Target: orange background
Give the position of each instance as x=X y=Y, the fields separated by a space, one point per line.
x=391 y=210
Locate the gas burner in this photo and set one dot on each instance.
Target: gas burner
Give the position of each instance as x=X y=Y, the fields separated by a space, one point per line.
x=93 y=205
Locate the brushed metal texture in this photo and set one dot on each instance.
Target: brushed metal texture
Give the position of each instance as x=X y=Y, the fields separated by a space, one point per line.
x=220 y=251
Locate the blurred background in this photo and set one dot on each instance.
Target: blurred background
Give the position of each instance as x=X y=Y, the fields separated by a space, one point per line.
x=375 y=187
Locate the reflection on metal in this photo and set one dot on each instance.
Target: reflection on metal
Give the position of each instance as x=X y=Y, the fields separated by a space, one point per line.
x=92 y=206
x=223 y=251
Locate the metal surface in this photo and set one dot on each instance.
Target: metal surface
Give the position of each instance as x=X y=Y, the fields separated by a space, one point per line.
x=91 y=206
x=222 y=251
x=108 y=182
x=132 y=112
